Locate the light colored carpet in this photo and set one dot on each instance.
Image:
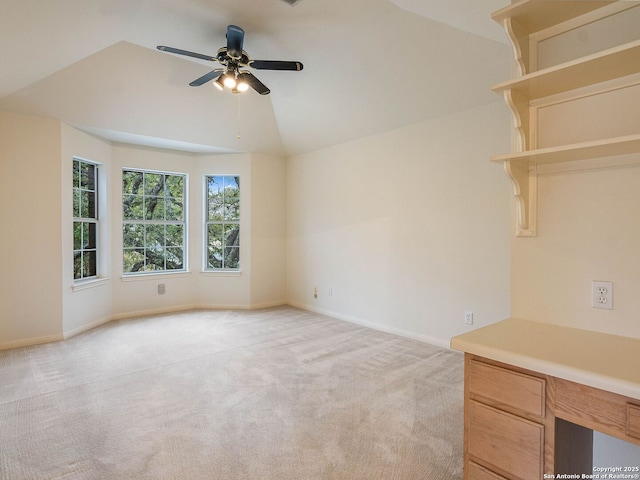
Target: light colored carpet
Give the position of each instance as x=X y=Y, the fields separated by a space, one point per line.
x=270 y=394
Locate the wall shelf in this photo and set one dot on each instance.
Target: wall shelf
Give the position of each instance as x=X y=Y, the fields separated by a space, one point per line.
x=597 y=68
x=609 y=147
x=536 y=15
x=527 y=23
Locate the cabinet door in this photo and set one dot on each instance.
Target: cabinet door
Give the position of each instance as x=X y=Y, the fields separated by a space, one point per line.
x=506 y=389
x=511 y=444
x=476 y=472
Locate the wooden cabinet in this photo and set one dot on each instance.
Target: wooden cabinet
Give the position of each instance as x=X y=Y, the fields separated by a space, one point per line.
x=580 y=108
x=520 y=424
x=476 y=472
x=535 y=392
x=507 y=389
x=506 y=422
x=633 y=421
x=505 y=442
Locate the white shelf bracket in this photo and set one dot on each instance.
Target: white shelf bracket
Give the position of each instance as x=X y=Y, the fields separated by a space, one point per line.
x=524 y=179
x=518 y=38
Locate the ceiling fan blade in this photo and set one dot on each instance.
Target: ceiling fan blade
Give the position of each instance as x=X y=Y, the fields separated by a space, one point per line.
x=235 y=40
x=205 y=78
x=275 y=65
x=256 y=84
x=187 y=53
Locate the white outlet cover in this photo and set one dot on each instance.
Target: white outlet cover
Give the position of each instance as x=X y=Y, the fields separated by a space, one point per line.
x=602 y=295
x=468 y=318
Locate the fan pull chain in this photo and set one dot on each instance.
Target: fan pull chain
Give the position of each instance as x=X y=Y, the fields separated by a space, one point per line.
x=238 y=116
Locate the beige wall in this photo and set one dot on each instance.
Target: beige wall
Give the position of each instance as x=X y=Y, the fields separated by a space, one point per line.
x=409 y=229
x=588 y=229
x=30 y=238
x=268 y=230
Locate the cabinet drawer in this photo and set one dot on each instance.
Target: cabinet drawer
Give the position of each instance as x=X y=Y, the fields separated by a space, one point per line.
x=476 y=472
x=507 y=389
x=512 y=444
x=633 y=420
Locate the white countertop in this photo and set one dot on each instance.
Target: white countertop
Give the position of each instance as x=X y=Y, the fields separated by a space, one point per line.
x=607 y=362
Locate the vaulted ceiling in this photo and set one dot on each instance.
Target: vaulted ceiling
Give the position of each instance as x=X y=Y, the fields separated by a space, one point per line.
x=369 y=66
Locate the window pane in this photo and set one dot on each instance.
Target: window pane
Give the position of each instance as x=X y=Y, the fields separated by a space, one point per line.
x=155 y=208
x=232 y=208
x=77 y=265
x=133 y=260
x=76 y=173
x=174 y=186
x=154 y=259
x=153 y=184
x=76 y=203
x=215 y=235
x=214 y=258
x=215 y=198
x=231 y=257
x=232 y=235
x=77 y=235
x=84 y=204
x=175 y=209
x=154 y=238
x=87 y=176
x=91 y=205
x=175 y=236
x=132 y=207
x=87 y=204
x=133 y=235
x=88 y=236
x=132 y=182
x=214 y=246
x=89 y=264
x=174 y=258
x=216 y=212
x=215 y=186
x=232 y=198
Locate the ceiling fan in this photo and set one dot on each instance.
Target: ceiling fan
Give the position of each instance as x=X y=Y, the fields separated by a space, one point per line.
x=234 y=61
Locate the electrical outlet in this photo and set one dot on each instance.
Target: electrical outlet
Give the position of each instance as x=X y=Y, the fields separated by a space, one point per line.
x=315 y=292
x=602 y=295
x=468 y=318
x=161 y=289
x=330 y=291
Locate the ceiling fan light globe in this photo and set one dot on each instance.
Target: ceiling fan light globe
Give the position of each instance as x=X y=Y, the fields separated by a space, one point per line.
x=242 y=85
x=229 y=81
x=218 y=83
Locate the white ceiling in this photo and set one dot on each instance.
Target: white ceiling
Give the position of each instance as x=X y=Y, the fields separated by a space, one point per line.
x=369 y=66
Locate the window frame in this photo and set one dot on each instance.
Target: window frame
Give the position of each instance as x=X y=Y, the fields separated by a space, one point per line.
x=77 y=190
x=224 y=223
x=183 y=223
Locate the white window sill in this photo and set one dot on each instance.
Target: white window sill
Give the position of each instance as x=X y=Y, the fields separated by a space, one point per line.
x=137 y=277
x=86 y=284
x=221 y=273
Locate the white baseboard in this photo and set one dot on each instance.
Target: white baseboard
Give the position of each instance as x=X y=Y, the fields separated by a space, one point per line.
x=153 y=311
x=183 y=308
x=28 y=342
x=438 y=342
x=84 y=328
